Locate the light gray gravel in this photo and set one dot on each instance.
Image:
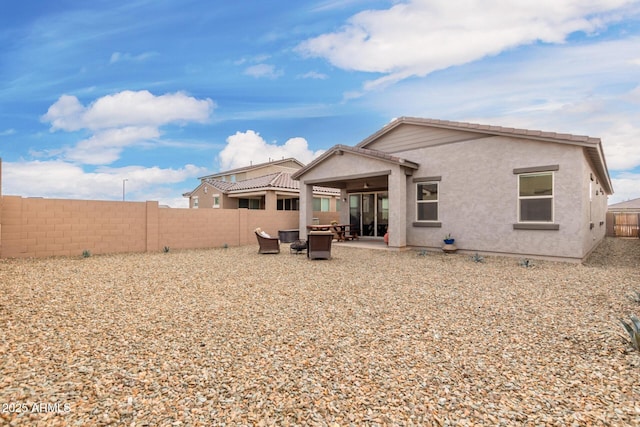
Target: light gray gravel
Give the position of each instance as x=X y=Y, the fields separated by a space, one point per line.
x=231 y=337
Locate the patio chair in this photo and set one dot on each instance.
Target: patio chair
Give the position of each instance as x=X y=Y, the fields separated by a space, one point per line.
x=319 y=244
x=268 y=244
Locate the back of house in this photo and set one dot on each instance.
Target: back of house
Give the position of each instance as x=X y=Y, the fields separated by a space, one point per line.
x=494 y=189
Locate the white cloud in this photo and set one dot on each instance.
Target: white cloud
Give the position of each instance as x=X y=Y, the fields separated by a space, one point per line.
x=622 y=146
x=60 y=179
x=415 y=38
x=127 y=57
x=123 y=119
x=263 y=71
x=626 y=187
x=127 y=108
x=314 y=75
x=329 y=5
x=245 y=148
x=591 y=97
x=105 y=146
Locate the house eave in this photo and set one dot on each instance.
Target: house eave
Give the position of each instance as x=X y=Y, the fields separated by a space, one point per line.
x=339 y=150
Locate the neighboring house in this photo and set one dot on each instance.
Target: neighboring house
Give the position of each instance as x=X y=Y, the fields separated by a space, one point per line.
x=496 y=190
x=262 y=186
x=623 y=219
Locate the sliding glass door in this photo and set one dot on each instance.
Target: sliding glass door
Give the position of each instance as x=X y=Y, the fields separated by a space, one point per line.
x=370 y=212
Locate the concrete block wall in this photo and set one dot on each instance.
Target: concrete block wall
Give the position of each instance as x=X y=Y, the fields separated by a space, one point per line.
x=198 y=228
x=57 y=227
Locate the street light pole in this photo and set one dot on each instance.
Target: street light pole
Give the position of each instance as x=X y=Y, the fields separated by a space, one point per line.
x=123 y=181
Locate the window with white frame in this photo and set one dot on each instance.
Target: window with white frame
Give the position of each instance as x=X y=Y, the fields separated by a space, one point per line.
x=195 y=202
x=427 y=196
x=535 y=197
x=216 y=200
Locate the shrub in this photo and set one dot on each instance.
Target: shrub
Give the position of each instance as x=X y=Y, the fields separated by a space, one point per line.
x=423 y=252
x=635 y=296
x=477 y=258
x=633 y=329
x=526 y=263
x=166 y=249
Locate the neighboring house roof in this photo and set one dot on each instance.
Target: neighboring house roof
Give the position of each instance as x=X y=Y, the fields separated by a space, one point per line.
x=253 y=167
x=339 y=149
x=592 y=146
x=273 y=181
x=219 y=184
x=628 y=205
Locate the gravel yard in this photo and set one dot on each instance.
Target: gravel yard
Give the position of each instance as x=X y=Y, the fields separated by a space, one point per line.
x=371 y=337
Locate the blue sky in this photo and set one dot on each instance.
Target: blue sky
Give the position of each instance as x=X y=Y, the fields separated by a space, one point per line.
x=160 y=92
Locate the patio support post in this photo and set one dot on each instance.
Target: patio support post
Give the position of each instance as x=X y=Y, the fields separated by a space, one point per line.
x=397 y=209
x=270 y=201
x=306 y=208
x=344 y=207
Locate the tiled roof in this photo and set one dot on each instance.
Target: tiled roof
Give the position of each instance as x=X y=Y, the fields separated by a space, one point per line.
x=220 y=185
x=475 y=127
x=253 y=183
x=633 y=204
x=252 y=167
x=271 y=181
x=284 y=180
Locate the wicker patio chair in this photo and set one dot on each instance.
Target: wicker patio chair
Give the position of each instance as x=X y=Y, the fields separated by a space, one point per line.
x=268 y=244
x=319 y=244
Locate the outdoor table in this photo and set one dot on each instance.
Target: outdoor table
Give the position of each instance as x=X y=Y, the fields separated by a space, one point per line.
x=341 y=230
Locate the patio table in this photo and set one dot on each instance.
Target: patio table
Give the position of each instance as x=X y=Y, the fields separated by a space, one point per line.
x=342 y=231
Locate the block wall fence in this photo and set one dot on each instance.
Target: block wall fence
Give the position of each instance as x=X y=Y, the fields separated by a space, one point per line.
x=33 y=227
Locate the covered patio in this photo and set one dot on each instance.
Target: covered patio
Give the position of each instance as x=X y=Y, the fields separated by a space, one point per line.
x=373 y=191
x=363 y=243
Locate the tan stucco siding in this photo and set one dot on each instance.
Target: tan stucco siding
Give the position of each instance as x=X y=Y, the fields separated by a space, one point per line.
x=205 y=199
x=594 y=210
x=412 y=137
x=478 y=196
x=346 y=164
x=268 y=170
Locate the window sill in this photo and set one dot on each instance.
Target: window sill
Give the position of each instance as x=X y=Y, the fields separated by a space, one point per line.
x=524 y=226
x=427 y=224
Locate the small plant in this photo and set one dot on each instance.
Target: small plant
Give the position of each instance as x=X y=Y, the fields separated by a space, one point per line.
x=448 y=239
x=635 y=296
x=225 y=246
x=86 y=253
x=633 y=329
x=166 y=249
x=526 y=263
x=477 y=258
x=423 y=252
